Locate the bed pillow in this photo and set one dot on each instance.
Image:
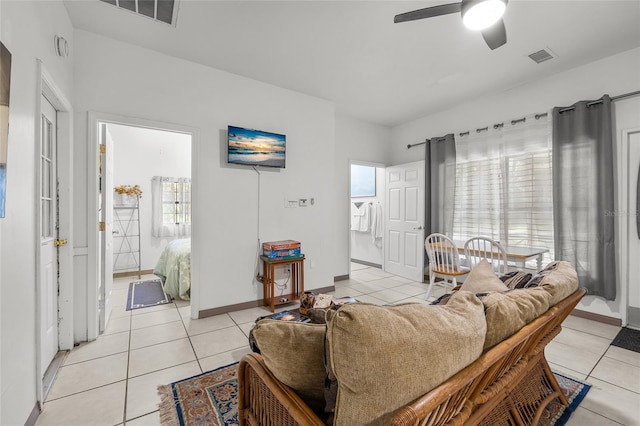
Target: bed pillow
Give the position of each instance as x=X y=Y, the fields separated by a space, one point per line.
x=385 y=357
x=483 y=278
x=294 y=353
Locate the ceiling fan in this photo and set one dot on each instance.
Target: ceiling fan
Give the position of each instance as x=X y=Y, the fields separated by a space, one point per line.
x=482 y=15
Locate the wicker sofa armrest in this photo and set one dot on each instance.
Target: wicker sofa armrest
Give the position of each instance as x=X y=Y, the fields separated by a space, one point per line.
x=265 y=401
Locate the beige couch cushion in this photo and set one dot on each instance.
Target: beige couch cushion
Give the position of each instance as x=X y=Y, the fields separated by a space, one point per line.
x=385 y=357
x=507 y=312
x=293 y=352
x=483 y=278
x=560 y=279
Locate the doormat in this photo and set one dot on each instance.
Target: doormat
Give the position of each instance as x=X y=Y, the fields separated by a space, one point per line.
x=627 y=338
x=143 y=294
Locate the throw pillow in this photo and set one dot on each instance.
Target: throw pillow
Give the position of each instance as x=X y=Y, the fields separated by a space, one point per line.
x=385 y=357
x=516 y=279
x=507 y=312
x=482 y=278
x=293 y=352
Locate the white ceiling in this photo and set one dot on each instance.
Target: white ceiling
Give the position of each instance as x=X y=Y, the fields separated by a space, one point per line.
x=351 y=52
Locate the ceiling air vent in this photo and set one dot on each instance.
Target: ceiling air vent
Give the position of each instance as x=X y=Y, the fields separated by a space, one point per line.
x=159 y=10
x=542 y=55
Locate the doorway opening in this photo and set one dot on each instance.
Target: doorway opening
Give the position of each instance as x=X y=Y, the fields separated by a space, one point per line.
x=133 y=211
x=367 y=201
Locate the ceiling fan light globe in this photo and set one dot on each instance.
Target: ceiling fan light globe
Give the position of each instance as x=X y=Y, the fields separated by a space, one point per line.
x=478 y=15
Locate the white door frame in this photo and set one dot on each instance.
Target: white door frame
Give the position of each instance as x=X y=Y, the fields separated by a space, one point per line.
x=624 y=172
x=46 y=85
x=94 y=118
x=361 y=163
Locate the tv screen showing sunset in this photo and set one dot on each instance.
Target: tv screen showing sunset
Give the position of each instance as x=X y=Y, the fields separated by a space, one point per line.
x=256 y=147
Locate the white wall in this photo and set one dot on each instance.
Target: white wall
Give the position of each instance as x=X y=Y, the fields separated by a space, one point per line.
x=359 y=141
x=225 y=217
x=614 y=75
x=139 y=155
x=362 y=245
x=27 y=29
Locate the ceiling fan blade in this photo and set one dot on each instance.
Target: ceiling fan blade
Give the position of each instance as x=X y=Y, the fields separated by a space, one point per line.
x=428 y=12
x=495 y=35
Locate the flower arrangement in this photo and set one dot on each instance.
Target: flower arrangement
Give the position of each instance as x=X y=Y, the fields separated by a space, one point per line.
x=132 y=191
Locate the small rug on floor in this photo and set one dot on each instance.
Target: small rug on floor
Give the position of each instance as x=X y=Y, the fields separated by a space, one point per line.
x=557 y=414
x=212 y=399
x=143 y=294
x=627 y=338
x=206 y=399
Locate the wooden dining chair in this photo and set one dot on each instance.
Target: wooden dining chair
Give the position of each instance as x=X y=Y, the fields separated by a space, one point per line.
x=478 y=248
x=444 y=260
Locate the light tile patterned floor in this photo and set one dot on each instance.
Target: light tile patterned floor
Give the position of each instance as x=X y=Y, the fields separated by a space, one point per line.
x=113 y=380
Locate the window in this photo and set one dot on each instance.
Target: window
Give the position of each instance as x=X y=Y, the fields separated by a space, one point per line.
x=504 y=186
x=176 y=202
x=171 y=206
x=363 y=181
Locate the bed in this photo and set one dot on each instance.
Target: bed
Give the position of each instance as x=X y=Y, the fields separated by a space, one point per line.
x=174 y=268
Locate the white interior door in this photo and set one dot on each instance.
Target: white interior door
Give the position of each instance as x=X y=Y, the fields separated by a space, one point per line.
x=106 y=216
x=404 y=242
x=48 y=294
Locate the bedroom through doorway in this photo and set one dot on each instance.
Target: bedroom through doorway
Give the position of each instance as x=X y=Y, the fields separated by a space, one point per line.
x=144 y=208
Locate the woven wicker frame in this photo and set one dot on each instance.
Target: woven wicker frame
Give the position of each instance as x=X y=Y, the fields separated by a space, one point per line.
x=510 y=384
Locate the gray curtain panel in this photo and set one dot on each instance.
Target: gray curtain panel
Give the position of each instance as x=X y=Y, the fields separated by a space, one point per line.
x=637 y=212
x=440 y=184
x=583 y=193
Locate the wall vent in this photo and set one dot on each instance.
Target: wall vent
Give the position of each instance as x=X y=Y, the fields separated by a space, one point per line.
x=158 y=10
x=542 y=55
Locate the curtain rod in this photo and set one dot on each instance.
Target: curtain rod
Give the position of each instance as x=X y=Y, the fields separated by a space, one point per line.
x=537 y=117
x=484 y=129
x=613 y=99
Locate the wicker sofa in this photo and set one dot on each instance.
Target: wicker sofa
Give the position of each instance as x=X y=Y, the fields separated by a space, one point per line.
x=508 y=382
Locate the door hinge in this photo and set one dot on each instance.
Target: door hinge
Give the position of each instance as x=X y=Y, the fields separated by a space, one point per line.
x=59 y=243
x=102 y=226
x=103 y=148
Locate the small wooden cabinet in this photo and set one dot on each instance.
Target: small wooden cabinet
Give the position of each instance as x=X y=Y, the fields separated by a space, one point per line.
x=268 y=281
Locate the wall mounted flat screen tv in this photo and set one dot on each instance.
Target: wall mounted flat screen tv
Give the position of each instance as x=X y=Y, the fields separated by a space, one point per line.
x=256 y=148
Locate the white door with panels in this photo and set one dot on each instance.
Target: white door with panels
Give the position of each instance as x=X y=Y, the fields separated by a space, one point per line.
x=404 y=242
x=48 y=227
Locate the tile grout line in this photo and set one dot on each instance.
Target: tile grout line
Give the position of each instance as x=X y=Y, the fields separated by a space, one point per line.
x=600 y=414
x=189 y=337
x=126 y=384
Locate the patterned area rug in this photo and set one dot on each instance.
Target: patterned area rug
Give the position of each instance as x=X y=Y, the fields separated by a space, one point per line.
x=206 y=399
x=211 y=399
x=556 y=413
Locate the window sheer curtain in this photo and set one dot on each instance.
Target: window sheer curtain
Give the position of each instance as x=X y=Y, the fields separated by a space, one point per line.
x=171 y=206
x=504 y=184
x=440 y=185
x=583 y=174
